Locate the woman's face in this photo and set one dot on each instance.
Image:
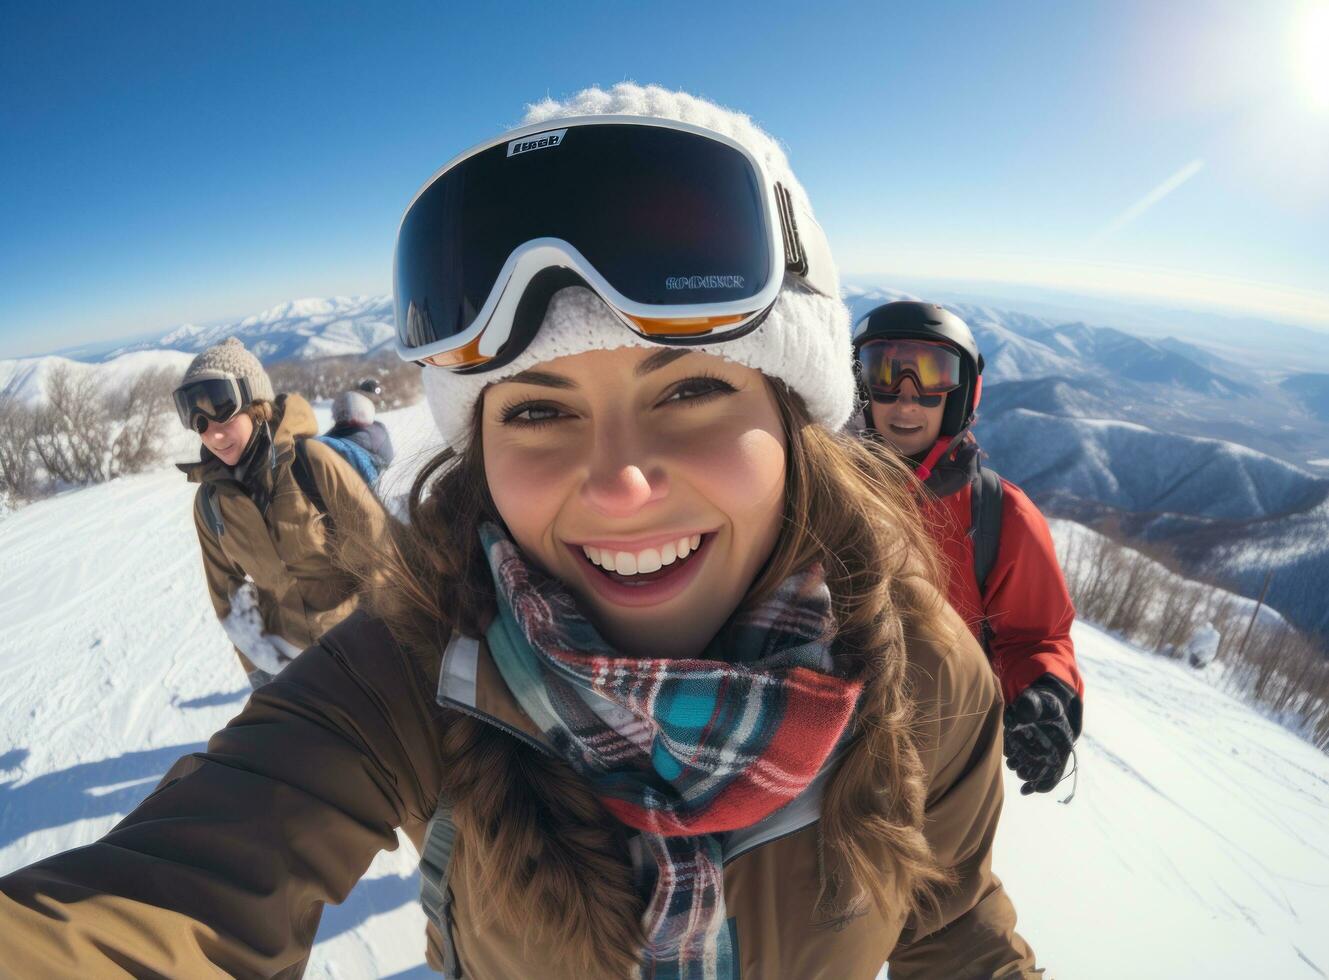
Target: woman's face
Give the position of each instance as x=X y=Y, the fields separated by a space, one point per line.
x=227 y=440
x=907 y=425
x=650 y=482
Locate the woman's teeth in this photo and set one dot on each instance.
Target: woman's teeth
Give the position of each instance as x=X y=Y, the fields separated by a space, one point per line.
x=645 y=561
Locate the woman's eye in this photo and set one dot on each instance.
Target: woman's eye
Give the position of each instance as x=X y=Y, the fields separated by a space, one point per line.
x=531 y=413
x=693 y=389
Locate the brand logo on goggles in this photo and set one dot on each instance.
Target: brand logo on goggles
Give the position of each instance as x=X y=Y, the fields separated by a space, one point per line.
x=704 y=282
x=540 y=141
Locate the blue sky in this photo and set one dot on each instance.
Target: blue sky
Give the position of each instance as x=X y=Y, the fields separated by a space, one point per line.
x=189 y=162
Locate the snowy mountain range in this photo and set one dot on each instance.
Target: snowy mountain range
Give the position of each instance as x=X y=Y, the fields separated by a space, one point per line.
x=301 y=329
x=26 y=378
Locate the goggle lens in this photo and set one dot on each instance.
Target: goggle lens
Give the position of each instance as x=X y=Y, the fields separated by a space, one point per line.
x=934 y=368
x=211 y=400
x=891 y=397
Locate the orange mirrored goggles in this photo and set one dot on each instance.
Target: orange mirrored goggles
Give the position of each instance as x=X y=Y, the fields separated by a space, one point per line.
x=884 y=364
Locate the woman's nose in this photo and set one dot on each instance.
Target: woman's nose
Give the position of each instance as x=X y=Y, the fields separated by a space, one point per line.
x=620 y=482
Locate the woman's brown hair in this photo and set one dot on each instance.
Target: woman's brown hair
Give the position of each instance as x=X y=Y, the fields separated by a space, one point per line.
x=260 y=410
x=534 y=842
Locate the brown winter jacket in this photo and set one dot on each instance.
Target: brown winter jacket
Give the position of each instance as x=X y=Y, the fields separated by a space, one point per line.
x=225 y=868
x=286 y=551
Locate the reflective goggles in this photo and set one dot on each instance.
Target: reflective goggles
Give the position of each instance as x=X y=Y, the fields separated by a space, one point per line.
x=210 y=400
x=884 y=364
x=681 y=231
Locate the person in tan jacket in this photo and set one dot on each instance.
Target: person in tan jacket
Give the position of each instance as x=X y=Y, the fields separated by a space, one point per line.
x=658 y=677
x=269 y=499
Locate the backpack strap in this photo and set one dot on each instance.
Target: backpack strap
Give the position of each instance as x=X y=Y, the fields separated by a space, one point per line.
x=211 y=515
x=304 y=478
x=985 y=496
x=435 y=893
x=985 y=523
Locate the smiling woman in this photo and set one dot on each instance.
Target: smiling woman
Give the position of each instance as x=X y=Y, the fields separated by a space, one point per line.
x=633 y=459
x=656 y=675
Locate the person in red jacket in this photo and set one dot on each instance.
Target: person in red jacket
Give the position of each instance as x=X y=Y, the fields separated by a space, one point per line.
x=921 y=374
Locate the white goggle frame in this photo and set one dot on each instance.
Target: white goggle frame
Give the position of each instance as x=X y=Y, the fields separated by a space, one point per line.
x=793 y=234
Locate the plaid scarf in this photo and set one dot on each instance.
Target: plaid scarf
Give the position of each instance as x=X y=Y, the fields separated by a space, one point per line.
x=680 y=750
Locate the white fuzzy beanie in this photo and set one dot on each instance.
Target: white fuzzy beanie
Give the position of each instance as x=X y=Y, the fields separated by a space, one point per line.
x=804 y=340
x=353 y=408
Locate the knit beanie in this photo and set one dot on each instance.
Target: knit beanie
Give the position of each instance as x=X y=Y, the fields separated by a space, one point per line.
x=804 y=340
x=229 y=359
x=353 y=408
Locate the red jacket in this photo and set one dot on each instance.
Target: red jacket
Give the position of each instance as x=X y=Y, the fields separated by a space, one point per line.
x=1026 y=605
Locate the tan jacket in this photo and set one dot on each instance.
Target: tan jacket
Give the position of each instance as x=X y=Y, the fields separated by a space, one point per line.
x=286 y=551
x=224 y=869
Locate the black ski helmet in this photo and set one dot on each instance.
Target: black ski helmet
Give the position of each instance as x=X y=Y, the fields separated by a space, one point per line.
x=370 y=386
x=910 y=320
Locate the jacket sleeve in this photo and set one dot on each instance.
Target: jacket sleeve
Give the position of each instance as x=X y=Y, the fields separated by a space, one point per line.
x=1027 y=603
x=970 y=934
x=350 y=501
x=224 y=869
x=224 y=578
x=382 y=442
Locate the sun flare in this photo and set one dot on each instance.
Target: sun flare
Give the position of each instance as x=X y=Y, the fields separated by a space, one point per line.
x=1313 y=60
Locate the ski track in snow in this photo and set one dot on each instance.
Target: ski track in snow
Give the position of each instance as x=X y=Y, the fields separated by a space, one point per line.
x=1197 y=844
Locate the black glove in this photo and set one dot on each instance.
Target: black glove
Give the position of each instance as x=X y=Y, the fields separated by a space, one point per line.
x=1042 y=724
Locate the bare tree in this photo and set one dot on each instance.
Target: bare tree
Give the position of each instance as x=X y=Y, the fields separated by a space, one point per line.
x=19 y=478
x=1144 y=598
x=72 y=431
x=328 y=377
x=141 y=411
x=83 y=432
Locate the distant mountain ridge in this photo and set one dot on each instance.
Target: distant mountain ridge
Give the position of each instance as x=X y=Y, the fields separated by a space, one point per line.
x=1312 y=392
x=301 y=329
x=1132 y=468
x=1017 y=346
x=26 y=378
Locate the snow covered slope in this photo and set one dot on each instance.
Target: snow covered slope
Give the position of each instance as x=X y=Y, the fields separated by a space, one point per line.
x=112 y=665
x=1196 y=845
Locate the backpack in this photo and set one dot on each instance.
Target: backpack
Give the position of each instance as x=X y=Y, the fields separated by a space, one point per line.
x=354 y=453
x=985 y=498
x=304 y=479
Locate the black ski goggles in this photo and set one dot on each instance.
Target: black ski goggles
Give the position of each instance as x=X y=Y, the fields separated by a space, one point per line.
x=884 y=364
x=680 y=230
x=210 y=400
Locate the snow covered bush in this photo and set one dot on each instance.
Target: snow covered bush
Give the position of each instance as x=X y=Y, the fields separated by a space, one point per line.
x=18 y=470
x=82 y=432
x=327 y=377
x=1146 y=600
